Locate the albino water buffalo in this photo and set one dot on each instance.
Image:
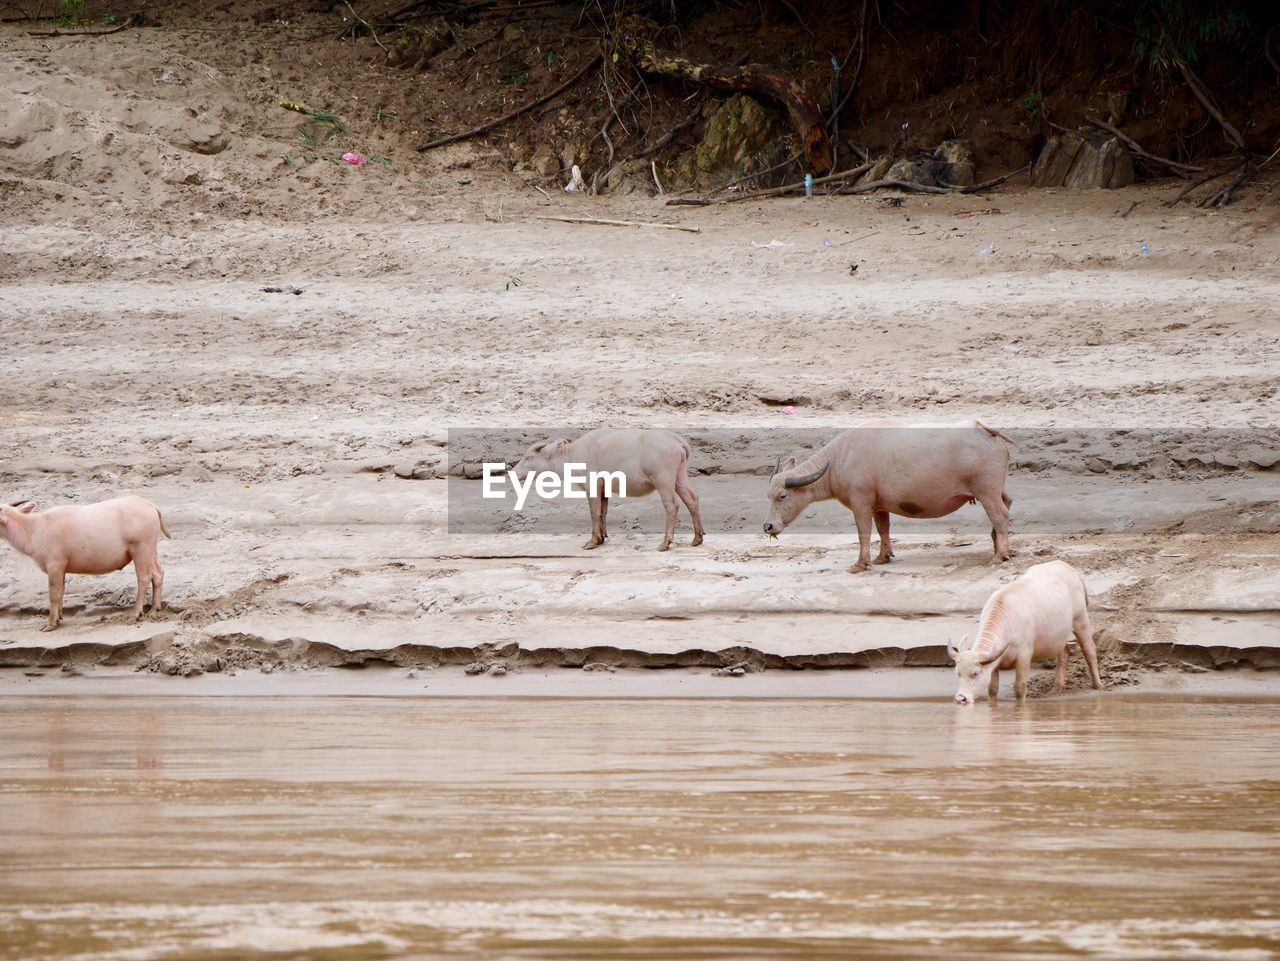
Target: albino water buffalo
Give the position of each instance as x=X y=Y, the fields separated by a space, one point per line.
x=649 y=459
x=1027 y=620
x=93 y=539
x=884 y=467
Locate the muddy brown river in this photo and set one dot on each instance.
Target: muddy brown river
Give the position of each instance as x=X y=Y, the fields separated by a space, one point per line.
x=337 y=829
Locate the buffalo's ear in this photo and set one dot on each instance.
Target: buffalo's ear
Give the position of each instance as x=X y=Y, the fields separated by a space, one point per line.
x=789 y=464
x=955 y=650
x=537 y=447
x=558 y=447
x=952 y=650
x=26 y=507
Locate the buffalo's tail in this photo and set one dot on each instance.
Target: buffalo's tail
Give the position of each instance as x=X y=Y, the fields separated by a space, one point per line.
x=996 y=433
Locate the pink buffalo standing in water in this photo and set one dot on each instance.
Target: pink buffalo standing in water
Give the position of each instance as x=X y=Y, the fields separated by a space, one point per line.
x=1028 y=620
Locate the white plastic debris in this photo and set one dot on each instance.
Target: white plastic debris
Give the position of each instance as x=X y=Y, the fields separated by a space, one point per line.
x=575 y=181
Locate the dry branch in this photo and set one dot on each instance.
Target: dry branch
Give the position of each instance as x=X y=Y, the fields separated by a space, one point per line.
x=136 y=20
x=623 y=223
x=1204 y=180
x=499 y=121
x=670 y=135
x=754 y=78
x=857 y=71
x=1202 y=95
x=364 y=23
x=1223 y=196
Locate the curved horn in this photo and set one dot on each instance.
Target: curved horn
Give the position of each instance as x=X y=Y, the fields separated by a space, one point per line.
x=807 y=478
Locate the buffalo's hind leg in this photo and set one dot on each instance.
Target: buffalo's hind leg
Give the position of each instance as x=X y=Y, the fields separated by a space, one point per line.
x=597 y=537
x=998 y=513
x=886 y=547
x=1084 y=637
x=150 y=575
x=604 y=513
x=142 y=573
x=668 y=496
x=686 y=494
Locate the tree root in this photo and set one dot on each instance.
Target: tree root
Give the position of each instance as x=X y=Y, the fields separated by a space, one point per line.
x=754 y=78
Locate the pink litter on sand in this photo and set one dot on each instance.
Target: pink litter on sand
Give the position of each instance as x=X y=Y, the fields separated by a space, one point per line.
x=354 y=159
x=788 y=409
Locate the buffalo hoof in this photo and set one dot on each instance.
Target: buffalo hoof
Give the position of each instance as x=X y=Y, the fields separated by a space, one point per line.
x=884 y=559
x=48 y=627
x=697 y=539
x=858 y=569
x=666 y=546
x=591 y=545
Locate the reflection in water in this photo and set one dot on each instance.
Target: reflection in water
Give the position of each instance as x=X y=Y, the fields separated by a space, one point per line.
x=347 y=829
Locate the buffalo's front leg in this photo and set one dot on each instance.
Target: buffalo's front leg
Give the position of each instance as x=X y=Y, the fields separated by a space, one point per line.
x=57 y=584
x=862 y=516
x=1060 y=676
x=1021 y=672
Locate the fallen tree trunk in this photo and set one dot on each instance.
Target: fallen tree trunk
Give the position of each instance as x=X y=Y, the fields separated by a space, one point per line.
x=753 y=78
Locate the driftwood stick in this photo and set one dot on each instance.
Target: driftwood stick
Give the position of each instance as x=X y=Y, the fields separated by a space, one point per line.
x=499 y=121
x=994 y=182
x=622 y=223
x=762 y=194
x=1173 y=166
